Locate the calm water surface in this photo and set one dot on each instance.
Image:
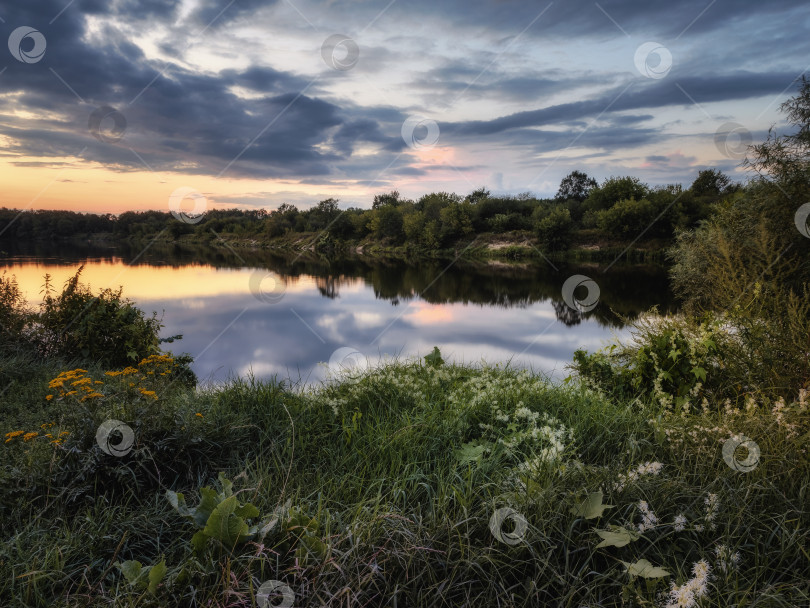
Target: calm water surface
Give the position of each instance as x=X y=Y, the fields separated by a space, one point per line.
x=253 y=312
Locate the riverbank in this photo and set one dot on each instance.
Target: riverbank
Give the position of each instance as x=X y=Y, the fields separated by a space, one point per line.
x=512 y=247
x=416 y=484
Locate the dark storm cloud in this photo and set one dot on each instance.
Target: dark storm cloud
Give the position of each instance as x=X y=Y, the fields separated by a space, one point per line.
x=186 y=121
x=634 y=96
x=463 y=77
x=584 y=17
x=176 y=119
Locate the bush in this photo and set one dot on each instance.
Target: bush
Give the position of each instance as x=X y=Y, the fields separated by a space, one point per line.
x=104 y=328
x=670 y=360
x=612 y=191
x=555 y=229
x=627 y=219
x=13 y=313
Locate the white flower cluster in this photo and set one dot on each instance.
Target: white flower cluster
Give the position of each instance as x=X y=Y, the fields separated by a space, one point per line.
x=679 y=523
x=686 y=595
x=726 y=560
x=647 y=468
x=648 y=518
x=511 y=423
x=712 y=506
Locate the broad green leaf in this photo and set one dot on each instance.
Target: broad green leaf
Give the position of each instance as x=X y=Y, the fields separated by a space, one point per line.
x=470 y=452
x=699 y=372
x=156 y=574
x=591 y=507
x=616 y=537
x=225 y=526
x=209 y=500
x=247 y=510
x=644 y=569
x=310 y=547
x=300 y=522
x=178 y=501
x=132 y=570
x=199 y=541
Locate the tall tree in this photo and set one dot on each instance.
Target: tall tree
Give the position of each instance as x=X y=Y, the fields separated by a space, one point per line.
x=576 y=185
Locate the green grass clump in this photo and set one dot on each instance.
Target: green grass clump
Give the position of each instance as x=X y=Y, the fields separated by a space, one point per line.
x=414 y=484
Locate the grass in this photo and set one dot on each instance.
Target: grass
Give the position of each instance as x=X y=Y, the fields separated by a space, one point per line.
x=386 y=488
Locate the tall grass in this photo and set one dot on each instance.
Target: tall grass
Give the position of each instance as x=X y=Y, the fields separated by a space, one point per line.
x=385 y=487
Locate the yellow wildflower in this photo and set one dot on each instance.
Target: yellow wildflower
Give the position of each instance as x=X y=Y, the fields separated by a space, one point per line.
x=29 y=436
x=48 y=397
x=199 y=415
x=12 y=435
x=70 y=393
x=98 y=382
x=81 y=382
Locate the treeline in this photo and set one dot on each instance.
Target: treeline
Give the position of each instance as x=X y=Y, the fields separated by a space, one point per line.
x=620 y=209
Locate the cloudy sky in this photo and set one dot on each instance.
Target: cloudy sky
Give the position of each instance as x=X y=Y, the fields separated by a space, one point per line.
x=107 y=105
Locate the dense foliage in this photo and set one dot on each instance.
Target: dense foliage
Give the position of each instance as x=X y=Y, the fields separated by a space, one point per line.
x=619 y=209
x=744 y=277
x=76 y=325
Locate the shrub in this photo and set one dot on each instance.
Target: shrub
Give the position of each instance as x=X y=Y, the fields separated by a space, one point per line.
x=627 y=219
x=613 y=190
x=555 y=229
x=670 y=360
x=104 y=328
x=14 y=316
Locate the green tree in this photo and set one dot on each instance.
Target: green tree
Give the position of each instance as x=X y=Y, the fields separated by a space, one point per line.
x=613 y=190
x=390 y=198
x=575 y=186
x=476 y=196
x=627 y=219
x=456 y=221
x=711 y=183
x=386 y=223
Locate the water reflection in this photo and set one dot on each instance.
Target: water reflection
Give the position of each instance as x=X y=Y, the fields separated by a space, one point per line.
x=472 y=311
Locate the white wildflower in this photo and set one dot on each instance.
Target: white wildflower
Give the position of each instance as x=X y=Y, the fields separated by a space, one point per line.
x=648 y=518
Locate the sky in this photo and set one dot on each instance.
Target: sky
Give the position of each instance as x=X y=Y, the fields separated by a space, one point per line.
x=114 y=105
